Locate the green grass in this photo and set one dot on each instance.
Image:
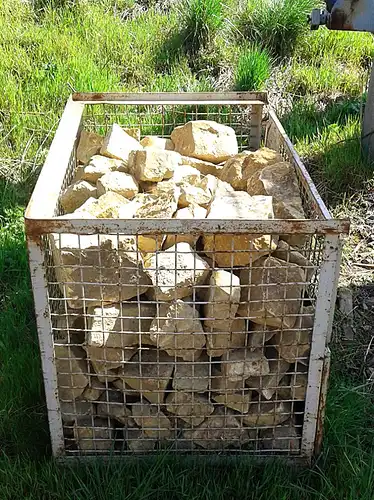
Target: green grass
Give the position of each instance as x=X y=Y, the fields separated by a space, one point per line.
x=46 y=52
x=253 y=69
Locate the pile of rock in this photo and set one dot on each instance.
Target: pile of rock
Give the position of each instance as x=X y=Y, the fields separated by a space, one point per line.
x=188 y=337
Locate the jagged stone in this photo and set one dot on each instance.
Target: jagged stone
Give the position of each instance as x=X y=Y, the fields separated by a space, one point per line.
x=76 y=194
x=72 y=370
x=191 y=376
x=112 y=404
x=153 y=422
x=118 y=182
x=241 y=364
x=190 y=212
x=189 y=406
x=118 y=144
x=88 y=146
x=93 y=434
x=152 y=164
x=151 y=141
x=204 y=167
x=97 y=167
x=94 y=390
x=267 y=413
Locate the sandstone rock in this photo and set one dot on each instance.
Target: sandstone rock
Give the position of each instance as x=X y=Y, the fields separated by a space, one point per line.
x=283 y=437
x=94 y=390
x=150 y=206
x=299 y=384
x=268 y=384
x=187 y=174
x=106 y=359
x=247 y=248
x=205 y=140
x=76 y=194
x=133 y=132
x=110 y=205
x=276 y=297
x=84 y=211
x=71 y=411
x=190 y=212
x=177 y=329
x=125 y=388
x=152 y=377
x=259 y=334
x=153 y=165
x=97 y=167
x=289 y=254
x=239 y=169
x=191 y=377
x=222 y=297
x=238 y=401
x=88 y=146
x=118 y=182
x=219 y=341
x=242 y=363
x=151 y=141
x=193 y=195
x=190 y=407
x=93 y=434
x=153 y=422
x=72 y=369
x=267 y=413
x=221 y=384
x=294 y=345
x=239 y=334
x=204 y=167
x=119 y=325
x=118 y=144
x=216 y=187
x=168 y=188
x=112 y=404
x=137 y=441
x=109 y=273
x=69 y=326
x=218 y=431
x=176 y=272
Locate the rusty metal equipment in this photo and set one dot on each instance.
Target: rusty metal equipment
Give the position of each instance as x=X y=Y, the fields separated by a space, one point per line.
x=59 y=335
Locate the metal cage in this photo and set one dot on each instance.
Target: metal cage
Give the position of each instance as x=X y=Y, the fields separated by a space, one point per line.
x=110 y=390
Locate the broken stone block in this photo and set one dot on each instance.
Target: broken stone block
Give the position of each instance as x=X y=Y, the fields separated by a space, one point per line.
x=241 y=364
x=151 y=141
x=185 y=174
x=267 y=413
x=274 y=299
x=69 y=326
x=191 y=377
x=218 y=431
x=193 y=195
x=219 y=341
x=106 y=359
x=294 y=345
x=112 y=404
x=109 y=205
x=119 y=325
x=283 y=437
x=71 y=411
x=289 y=254
x=76 y=194
x=175 y=272
x=239 y=249
x=88 y=146
x=215 y=186
x=91 y=269
x=268 y=384
x=204 y=167
x=133 y=132
x=118 y=144
x=137 y=441
x=72 y=369
x=299 y=383
x=190 y=212
x=97 y=167
x=221 y=384
x=238 y=401
x=189 y=406
x=205 y=140
x=93 y=434
x=118 y=182
x=125 y=388
x=153 y=422
x=94 y=390
x=84 y=211
x=148 y=206
x=177 y=329
x=149 y=373
x=153 y=165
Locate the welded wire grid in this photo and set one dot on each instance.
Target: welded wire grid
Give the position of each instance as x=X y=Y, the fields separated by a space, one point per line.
x=133 y=369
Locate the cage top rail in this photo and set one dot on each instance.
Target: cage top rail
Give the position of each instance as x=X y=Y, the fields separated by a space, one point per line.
x=172 y=98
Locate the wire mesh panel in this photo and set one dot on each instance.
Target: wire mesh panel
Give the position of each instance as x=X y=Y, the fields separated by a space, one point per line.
x=192 y=335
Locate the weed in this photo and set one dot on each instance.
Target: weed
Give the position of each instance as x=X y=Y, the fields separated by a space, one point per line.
x=253 y=69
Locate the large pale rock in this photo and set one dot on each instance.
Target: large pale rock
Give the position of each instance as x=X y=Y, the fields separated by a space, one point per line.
x=222 y=297
x=106 y=359
x=153 y=165
x=153 y=422
x=218 y=431
x=176 y=272
x=71 y=411
x=221 y=384
x=72 y=370
x=190 y=407
x=289 y=254
x=168 y=187
x=148 y=206
x=112 y=404
x=268 y=384
x=240 y=168
x=259 y=334
x=267 y=413
x=241 y=364
x=93 y=434
x=76 y=194
x=283 y=438
x=84 y=211
x=191 y=377
x=91 y=272
x=97 y=167
x=149 y=373
x=205 y=140
x=110 y=205
x=219 y=341
x=177 y=329
x=88 y=146
x=190 y=212
x=94 y=390
x=238 y=401
x=294 y=345
x=138 y=441
x=133 y=132
x=216 y=187
x=118 y=144
x=193 y=195
x=187 y=174
x=276 y=297
x=247 y=247
x=279 y=181
x=118 y=182
x=152 y=141
x=119 y=325
x=204 y=167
